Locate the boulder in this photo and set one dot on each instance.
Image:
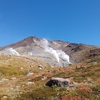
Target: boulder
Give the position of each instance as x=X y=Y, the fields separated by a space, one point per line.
x=60 y=82
x=40 y=67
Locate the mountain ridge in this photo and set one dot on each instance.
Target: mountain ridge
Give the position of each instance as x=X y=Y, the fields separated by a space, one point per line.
x=56 y=49
x=28 y=65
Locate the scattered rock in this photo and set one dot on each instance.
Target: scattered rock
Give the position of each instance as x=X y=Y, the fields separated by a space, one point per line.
x=52 y=66
x=21 y=68
x=30 y=83
x=11 y=89
x=5 y=97
x=44 y=78
x=13 y=78
x=31 y=66
x=17 y=87
x=60 y=82
x=29 y=73
x=94 y=63
x=80 y=67
x=4 y=79
x=40 y=67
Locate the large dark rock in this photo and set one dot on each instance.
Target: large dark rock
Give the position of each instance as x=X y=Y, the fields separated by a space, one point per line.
x=60 y=82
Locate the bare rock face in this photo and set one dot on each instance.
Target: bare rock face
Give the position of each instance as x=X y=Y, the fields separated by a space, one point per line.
x=60 y=82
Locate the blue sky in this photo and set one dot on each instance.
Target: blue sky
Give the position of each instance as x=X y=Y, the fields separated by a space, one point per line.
x=76 y=21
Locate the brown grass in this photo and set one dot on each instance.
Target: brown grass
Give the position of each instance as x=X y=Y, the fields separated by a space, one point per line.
x=87 y=80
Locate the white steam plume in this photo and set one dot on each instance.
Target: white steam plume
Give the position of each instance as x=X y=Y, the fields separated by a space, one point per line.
x=50 y=50
x=56 y=53
x=13 y=51
x=63 y=55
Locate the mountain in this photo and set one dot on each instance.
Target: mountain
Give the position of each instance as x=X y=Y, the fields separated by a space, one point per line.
x=56 y=52
x=28 y=65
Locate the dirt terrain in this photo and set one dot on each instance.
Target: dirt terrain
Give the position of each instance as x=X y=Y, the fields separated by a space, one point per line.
x=27 y=66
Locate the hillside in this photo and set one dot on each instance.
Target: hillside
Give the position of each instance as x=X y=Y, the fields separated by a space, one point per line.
x=28 y=67
x=22 y=78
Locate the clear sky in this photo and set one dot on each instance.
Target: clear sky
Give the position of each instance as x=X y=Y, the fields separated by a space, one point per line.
x=76 y=21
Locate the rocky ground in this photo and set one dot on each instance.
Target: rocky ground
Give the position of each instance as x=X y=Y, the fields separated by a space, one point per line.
x=40 y=69
x=25 y=78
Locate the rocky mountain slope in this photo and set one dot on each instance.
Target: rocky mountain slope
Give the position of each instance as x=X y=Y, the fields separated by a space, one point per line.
x=55 y=52
x=23 y=78
x=27 y=66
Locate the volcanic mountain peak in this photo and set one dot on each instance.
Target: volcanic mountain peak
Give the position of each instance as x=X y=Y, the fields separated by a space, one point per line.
x=27 y=41
x=54 y=52
x=49 y=51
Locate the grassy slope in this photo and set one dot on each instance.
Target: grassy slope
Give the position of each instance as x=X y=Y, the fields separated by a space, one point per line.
x=85 y=82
